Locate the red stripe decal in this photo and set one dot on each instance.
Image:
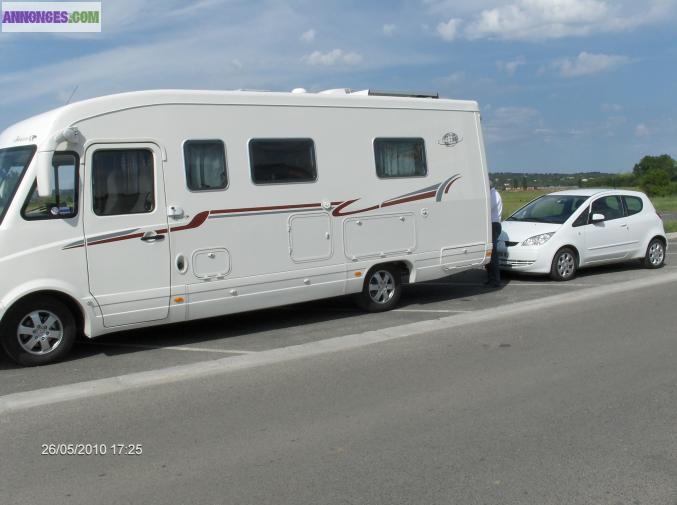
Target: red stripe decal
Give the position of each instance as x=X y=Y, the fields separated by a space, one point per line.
x=198 y=220
x=451 y=183
x=413 y=198
x=275 y=207
x=337 y=211
x=116 y=239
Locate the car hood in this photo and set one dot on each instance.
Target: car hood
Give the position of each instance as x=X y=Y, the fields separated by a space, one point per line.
x=519 y=231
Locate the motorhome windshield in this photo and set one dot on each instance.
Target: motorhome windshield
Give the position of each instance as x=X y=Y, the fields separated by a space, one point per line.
x=549 y=209
x=13 y=163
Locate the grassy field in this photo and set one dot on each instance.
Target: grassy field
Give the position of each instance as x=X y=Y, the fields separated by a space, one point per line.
x=513 y=200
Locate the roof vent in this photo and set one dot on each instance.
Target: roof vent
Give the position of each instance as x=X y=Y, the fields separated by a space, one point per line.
x=299 y=91
x=403 y=94
x=336 y=91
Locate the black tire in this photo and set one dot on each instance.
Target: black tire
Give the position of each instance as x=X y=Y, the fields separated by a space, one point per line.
x=655 y=254
x=564 y=265
x=382 y=289
x=38 y=331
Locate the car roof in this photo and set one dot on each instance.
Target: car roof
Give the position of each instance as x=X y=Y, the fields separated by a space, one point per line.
x=596 y=191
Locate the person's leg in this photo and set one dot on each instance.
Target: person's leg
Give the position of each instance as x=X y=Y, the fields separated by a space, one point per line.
x=494 y=270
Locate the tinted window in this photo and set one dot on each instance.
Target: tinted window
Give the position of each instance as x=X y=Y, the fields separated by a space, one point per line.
x=13 y=163
x=205 y=165
x=633 y=204
x=549 y=209
x=122 y=182
x=282 y=161
x=609 y=206
x=400 y=158
x=582 y=219
x=63 y=202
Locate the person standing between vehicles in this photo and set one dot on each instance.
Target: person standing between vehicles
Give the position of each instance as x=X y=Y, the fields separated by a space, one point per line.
x=496 y=210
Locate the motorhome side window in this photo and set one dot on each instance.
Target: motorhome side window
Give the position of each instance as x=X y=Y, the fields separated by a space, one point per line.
x=122 y=182
x=282 y=161
x=205 y=162
x=63 y=202
x=401 y=157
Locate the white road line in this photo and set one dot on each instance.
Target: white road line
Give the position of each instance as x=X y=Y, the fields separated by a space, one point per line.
x=168 y=348
x=434 y=311
x=88 y=389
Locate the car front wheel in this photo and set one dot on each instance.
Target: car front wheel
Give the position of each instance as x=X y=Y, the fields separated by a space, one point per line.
x=563 y=265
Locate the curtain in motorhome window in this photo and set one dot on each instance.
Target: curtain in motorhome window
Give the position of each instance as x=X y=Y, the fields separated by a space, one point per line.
x=205 y=165
x=400 y=158
x=122 y=182
x=282 y=161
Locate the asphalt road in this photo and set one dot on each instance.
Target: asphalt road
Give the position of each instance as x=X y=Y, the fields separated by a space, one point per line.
x=255 y=332
x=573 y=403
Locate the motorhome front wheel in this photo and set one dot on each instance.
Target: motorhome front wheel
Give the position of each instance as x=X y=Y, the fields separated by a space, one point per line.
x=38 y=331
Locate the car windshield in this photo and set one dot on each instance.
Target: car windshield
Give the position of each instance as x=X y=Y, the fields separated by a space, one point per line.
x=13 y=162
x=549 y=209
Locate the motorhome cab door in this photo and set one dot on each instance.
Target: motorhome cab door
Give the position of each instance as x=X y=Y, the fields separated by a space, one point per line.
x=127 y=243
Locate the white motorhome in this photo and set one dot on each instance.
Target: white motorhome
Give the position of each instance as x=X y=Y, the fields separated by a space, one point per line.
x=156 y=207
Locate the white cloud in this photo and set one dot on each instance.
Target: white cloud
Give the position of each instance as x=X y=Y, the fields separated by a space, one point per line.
x=510 y=67
x=449 y=30
x=389 y=29
x=449 y=80
x=589 y=63
x=535 y=20
x=309 y=36
x=334 y=57
x=509 y=124
x=642 y=130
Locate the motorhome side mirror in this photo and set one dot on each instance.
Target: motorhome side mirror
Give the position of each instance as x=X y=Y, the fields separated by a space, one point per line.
x=45 y=173
x=597 y=218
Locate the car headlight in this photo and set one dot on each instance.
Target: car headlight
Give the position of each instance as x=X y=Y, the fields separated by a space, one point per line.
x=538 y=239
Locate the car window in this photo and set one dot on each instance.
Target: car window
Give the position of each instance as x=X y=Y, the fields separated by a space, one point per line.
x=582 y=219
x=633 y=204
x=609 y=206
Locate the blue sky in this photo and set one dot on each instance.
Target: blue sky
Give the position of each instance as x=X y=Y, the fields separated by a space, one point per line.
x=564 y=85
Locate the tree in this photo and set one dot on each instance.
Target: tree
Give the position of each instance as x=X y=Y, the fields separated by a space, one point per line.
x=525 y=184
x=663 y=162
x=656 y=182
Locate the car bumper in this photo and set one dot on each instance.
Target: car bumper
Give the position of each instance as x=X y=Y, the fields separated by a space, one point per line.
x=519 y=258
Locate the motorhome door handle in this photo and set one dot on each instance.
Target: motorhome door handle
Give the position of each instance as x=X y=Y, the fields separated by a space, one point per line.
x=151 y=236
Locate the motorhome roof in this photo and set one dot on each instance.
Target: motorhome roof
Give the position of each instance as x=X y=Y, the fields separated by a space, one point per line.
x=72 y=114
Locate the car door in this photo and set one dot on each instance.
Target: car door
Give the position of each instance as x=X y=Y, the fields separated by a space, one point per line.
x=638 y=224
x=125 y=222
x=609 y=239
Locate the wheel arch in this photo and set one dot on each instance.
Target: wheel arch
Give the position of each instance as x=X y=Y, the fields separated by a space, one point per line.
x=577 y=253
x=405 y=267
x=68 y=300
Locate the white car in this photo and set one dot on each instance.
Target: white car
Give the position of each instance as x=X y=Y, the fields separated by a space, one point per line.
x=559 y=233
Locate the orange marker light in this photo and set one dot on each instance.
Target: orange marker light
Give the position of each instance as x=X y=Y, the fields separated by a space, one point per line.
x=358 y=274
x=179 y=299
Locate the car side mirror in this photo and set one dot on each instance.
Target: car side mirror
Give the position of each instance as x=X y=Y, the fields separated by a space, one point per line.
x=597 y=218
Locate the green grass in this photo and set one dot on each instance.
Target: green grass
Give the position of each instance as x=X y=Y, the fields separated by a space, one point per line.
x=670 y=226
x=665 y=203
x=513 y=200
